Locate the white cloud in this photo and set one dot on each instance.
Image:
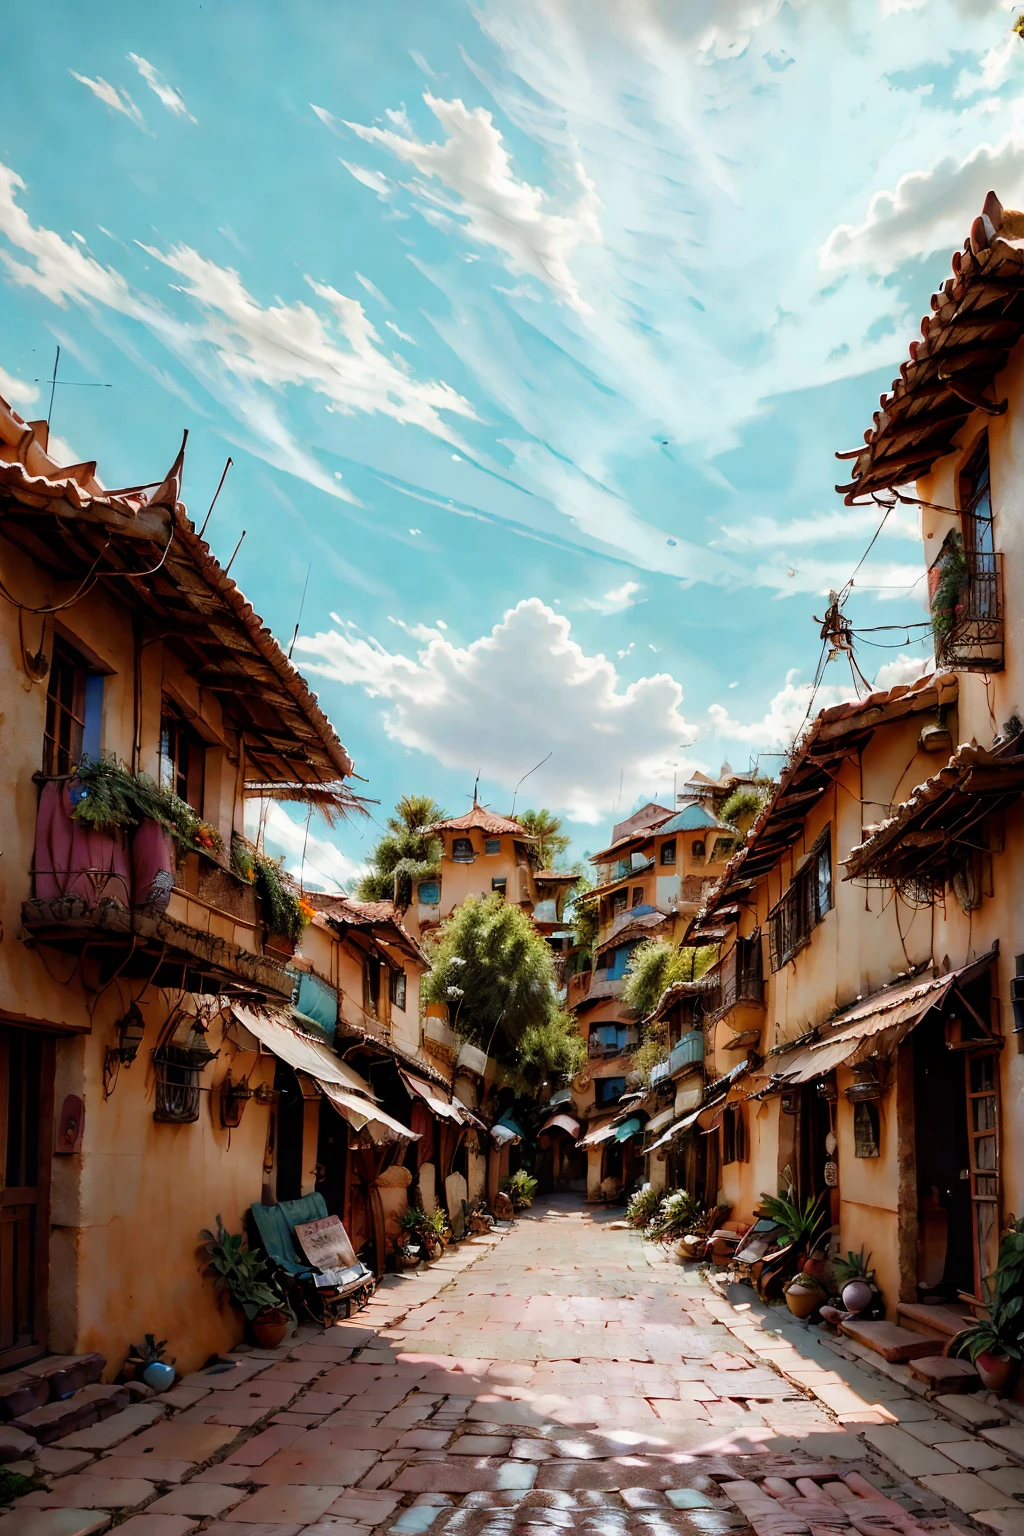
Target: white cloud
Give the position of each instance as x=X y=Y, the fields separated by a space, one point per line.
x=614 y=601
x=17 y=391
x=316 y=862
x=509 y=698
x=402 y=335
x=928 y=210
x=821 y=528
x=372 y=179
x=373 y=291
x=244 y=353
x=488 y=202
x=905 y=669
x=166 y=94
x=117 y=100
x=994 y=68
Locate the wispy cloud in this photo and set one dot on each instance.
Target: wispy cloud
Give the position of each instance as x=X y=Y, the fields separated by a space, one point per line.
x=117 y=99
x=820 y=528
x=168 y=95
x=615 y=601
x=488 y=202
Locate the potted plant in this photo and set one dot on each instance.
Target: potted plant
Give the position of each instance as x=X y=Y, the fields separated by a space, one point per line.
x=243 y=1276
x=145 y=1362
x=642 y=1206
x=521 y=1188
x=995 y=1344
x=855 y=1280
x=804 y=1295
x=799 y=1226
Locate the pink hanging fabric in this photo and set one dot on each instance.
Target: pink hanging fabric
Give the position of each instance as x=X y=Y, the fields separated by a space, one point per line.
x=73 y=859
x=152 y=866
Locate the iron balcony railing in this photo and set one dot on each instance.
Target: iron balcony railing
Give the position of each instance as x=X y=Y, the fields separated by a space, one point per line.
x=969 y=637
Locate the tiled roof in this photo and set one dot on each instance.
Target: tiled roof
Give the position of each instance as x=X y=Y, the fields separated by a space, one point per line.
x=377 y=918
x=480 y=820
x=977 y=318
x=146 y=547
x=835 y=734
x=693 y=818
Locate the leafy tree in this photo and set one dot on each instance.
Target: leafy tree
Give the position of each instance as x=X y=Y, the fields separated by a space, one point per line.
x=743 y=806
x=655 y=965
x=584 y=919
x=496 y=975
x=551 y=841
x=406 y=849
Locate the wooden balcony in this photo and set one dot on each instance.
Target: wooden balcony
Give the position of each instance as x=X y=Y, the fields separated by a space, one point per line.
x=733 y=993
x=95 y=896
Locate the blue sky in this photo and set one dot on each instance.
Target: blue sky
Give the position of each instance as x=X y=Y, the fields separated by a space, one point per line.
x=531 y=326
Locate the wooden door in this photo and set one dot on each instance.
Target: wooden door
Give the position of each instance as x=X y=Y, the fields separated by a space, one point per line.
x=26 y=1150
x=982 y=1068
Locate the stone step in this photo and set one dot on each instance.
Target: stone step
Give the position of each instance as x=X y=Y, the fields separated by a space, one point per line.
x=940 y=1322
x=87 y=1406
x=889 y=1340
x=46 y=1381
x=946 y=1374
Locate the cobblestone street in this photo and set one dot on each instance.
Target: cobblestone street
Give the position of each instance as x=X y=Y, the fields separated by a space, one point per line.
x=557 y=1374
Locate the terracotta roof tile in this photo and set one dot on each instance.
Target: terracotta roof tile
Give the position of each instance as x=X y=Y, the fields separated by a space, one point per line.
x=481 y=820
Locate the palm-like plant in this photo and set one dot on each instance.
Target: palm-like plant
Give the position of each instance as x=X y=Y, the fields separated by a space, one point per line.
x=1002 y=1332
x=407 y=849
x=800 y=1226
x=551 y=841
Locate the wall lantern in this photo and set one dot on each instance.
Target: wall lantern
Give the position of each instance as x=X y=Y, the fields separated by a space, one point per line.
x=868 y=1082
x=233 y=1099
x=791 y=1103
x=130 y=1031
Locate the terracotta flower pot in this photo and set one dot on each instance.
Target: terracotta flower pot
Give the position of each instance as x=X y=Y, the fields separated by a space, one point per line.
x=996 y=1371
x=857 y=1295
x=270 y=1327
x=804 y=1300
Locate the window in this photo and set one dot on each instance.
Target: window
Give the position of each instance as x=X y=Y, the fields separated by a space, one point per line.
x=428 y=893
x=619 y=902
x=609 y=1090
x=804 y=905
x=734 y=1135
x=371 y=985
x=74 y=711
x=638 y=896
x=462 y=850
x=697 y=850
x=399 y=983
x=492 y=845
x=976 y=502
x=722 y=848
x=182 y=759
x=499 y=886
x=668 y=851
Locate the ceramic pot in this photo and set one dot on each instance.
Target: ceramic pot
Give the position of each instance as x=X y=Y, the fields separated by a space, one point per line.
x=857 y=1295
x=804 y=1300
x=996 y=1371
x=270 y=1327
x=159 y=1376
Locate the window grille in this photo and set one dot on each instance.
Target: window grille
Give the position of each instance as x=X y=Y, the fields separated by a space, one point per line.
x=803 y=906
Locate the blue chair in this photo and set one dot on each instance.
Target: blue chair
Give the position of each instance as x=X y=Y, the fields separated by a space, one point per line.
x=275 y=1226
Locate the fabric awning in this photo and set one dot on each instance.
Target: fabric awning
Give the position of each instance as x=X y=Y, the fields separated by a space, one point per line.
x=600 y=1133
x=505 y=1129
x=680 y=1126
x=661 y=1122
x=562 y=1123
x=275 y=1029
x=362 y=1115
x=628 y=1128
x=432 y=1097
x=871 y=1027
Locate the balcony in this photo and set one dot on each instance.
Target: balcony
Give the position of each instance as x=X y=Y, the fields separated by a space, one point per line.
x=734 y=993
x=660 y=1073
x=967 y=610
x=687 y=1053
x=118 y=902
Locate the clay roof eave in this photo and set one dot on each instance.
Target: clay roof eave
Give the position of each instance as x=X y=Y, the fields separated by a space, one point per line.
x=977 y=319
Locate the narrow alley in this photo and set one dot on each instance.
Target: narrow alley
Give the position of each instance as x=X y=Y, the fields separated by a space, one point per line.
x=595 y=1387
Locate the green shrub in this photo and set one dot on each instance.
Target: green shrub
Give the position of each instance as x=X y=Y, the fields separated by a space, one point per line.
x=642 y=1206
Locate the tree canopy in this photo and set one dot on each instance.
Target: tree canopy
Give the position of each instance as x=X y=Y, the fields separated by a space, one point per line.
x=551 y=841
x=655 y=965
x=496 y=975
x=406 y=849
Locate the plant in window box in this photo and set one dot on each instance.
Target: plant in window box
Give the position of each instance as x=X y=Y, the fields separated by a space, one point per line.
x=950 y=577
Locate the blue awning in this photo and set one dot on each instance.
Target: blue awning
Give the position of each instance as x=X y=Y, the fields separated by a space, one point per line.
x=628 y=1128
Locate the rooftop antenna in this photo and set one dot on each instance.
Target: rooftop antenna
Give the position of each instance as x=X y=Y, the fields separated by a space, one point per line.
x=216 y=493
x=523 y=780
x=237 y=548
x=476 y=786
x=302 y=604
x=53 y=381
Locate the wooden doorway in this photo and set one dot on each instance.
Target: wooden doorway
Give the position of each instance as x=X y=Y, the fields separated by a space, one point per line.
x=26 y=1151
